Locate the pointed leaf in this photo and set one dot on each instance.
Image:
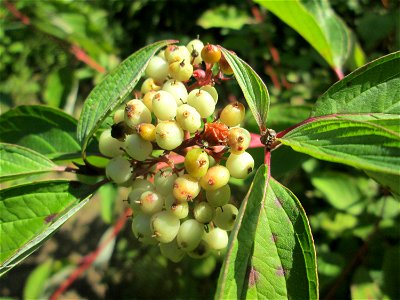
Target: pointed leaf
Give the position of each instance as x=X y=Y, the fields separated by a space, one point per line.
x=17 y=161
x=46 y=130
x=318 y=24
x=111 y=92
x=271 y=242
x=253 y=88
x=373 y=88
x=363 y=145
x=31 y=212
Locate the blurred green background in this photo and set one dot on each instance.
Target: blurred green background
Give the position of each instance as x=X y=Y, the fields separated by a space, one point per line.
x=54 y=52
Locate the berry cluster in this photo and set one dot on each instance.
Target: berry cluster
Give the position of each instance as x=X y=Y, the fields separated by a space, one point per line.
x=185 y=208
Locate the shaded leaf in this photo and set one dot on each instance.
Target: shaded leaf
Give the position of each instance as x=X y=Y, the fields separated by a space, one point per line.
x=359 y=144
x=17 y=161
x=373 y=88
x=31 y=212
x=253 y=88
x=341 y=191
x=389 y=181
x=46 y=130
x=58 y=84
x=271 y=242
x=112 y=91
x=318 y=24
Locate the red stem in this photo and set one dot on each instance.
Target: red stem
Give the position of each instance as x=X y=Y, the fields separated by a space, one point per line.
x=339 y=73
x=88 y=260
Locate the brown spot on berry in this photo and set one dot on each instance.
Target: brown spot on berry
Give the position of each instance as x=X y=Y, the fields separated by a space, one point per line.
x=249 y=170
x=210 y=182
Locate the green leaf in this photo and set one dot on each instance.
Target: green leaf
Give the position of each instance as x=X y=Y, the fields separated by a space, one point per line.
x=270 y=243
x=31 y=212
x=46 y=130
x=281 y=116
x=342 y=191
x=253 y=88
x=112 y=91
x=36 y=281
x=359 y=144
x=108 y=195
x=318 y=24
x=389 y=181
x=17 y=161
x=224 y=16
x=373 y=88
x=58 y=84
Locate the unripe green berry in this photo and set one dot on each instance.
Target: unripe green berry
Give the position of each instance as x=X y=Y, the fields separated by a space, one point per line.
x=186 y=188
x=138 y=148
x=225 y=216
x=202 y=101
x=211 y=90
x=180 y=209
x=157 y=69
x=203 y=212
x=151 y=202
x=136 y=112
x=219 y=197
x=195 y=47
x=119 y=116
x=172 y=251
x=188 y=118
x=216 y=238
x=177 y=89
x=119 y=170
x=232 y=114
x=181 y=70
x=238 y=140
x=164 y=106
x=216 y=177
x=141 y=229
x=190 y=234
x=110 y=146
x=140 y=183
x=169 y=135
x=148 y=100
x=134 y=199
x=175 y=53
x=164 y=182
x=201 y=251
x=240 y=165
x=196 y=162
x=149 y=85
x=165 y=226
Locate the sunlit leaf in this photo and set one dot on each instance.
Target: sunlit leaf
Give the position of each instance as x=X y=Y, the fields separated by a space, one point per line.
x=373 y=88
x=318 y=24
x=360 y=144
x=111 y=92
x=17 y=161
x=254 y=89
x=31 y=212
x=271 y=242
x=46 y=130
